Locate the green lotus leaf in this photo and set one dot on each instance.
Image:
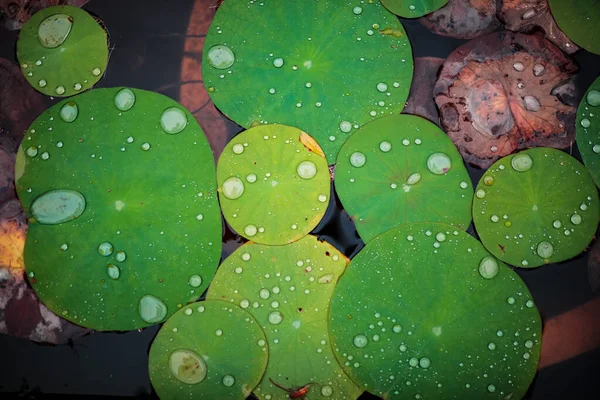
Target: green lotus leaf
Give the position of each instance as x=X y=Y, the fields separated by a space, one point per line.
x=399 y=169
x=412 y=8
x=208 y=350
x=124 y=222
x=326 y=67
x=578 y=19
x=287 y=289
x=448 y=320
x=536 y=207
x=588 y=130
x=62 y=51
x=273 y=184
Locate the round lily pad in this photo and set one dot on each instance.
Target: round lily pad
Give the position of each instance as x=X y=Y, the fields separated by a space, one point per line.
x=124 y=222
x=588 y=130
x=208 y=350
x=399 y=169
x=536 y=207
x=287 y=289
x=273 y=184
x=411 y=8
x=448 y=320
x=62 y=51
x=325 y=67
x=579 y=20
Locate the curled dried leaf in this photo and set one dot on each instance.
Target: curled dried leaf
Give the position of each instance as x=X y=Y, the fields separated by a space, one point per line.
x=463 y=19
x=527 y=16
x=500 y=93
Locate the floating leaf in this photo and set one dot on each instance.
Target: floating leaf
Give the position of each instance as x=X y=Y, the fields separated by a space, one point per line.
x=332 y=66
x=149 y=221
x=448 y=320
x=498 y=93
x=208 y=350
x=588 y=130
x=463 y=19
x=400 y=169
x=419 y=100
x=16 y=13
x=62 y=51
x=413 y=9
x=536 y=207
x=273 y=184
x=579 y=20
x=287 y=289
x=527 y=16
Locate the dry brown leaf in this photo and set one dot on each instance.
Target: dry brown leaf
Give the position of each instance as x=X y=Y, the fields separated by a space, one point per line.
x=463 y=19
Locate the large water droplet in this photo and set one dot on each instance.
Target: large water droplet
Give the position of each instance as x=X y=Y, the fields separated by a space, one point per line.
x=195 y=281
x=345 y=126
x=120 y=256
x=360 y=341
x=113 y=271
x=385 y=146
x=187 y=367
x=326 y=391
x=538 y=69
x=173 y=120
x=518 y=66
x=586 y=123
x=576 y=219
x=250 y=230
x=593 y=98
x=152 y=309
x=233 y=188
x=545 y=249
x=58 y=206
x=31 y=151
x=124 y=99
x=413 y=179
x=357 y=159
x=488 y=267
x=278 y=62
x=532 y=103
x=69 y=112
x=220 y=57
x=275 y=318
x=521 y=162
x=54 y=30
x=424 y=362
x=439 y=163
x=228 y=380
x=306 y=170
x=105 y=249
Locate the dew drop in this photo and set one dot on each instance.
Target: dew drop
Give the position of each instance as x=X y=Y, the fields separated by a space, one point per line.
x=233 y=188
x=250 y=230
x=278 y=62
x=488 y=267
x=593 y=98
x=439 y=163
x=42 y=83
x=345 y=126
x=413 y=179
x=360 y=341
x=545 y=249
x=195 y=281
x=251 y=178
x=491 y=388
x=357 y=10
x=532 y=103
x=413 y=362
x=480 y=193
x=58 y=206
x=60 y=90
x=228 y=380
x=424 y=362
x=518 y=66
x=521 y=162
x=187 y=367
x=31 y=151
x=173 y=120
x=538 y=69
x=54 y=30
x=322 y=198
x=220 y=57
x=113 y=271
x=238 y=148
x=357 y=159
x=145 y=146
x=69 y=112
x=576 y=219
x=306 y=170
x=120 y=256
x=326 y=391
x=152 y=309
x=275 y=318
x=382 y=87
x=585 y=123
x=492 y=346
x=124 y=99
x=385 y=146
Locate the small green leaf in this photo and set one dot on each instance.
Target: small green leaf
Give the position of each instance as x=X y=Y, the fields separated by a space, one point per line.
x=588 y=130
x=287 y=289
x=413 y=8
x=447 y=321
x=399 y=169
x=273 y=184
x=578 y=19
x=62 y=51
x=208 y=350
x=536 y=207
x=122 y=214
x=326 y=67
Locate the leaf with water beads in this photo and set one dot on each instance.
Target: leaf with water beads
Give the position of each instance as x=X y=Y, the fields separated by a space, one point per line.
x=62 y=51
x=588 y=130
x=448 y=320
x=411 y=8
x=124 y=205
x=399 y=169
x=273 y=184
x=536 y=207
x=287 y=289
x=579 y=20
x=208 y=350
x=326 y=67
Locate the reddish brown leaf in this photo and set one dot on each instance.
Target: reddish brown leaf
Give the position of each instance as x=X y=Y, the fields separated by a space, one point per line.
x=17 y=12
x=527 y=16
x=420 y=102
x=463 y=19
x=498 y=94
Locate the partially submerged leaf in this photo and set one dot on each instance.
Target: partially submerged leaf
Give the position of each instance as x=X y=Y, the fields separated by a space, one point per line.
x=401 y=169
x=420 y=102
x=273 y=184
x=579 y=20
x=16 y=12
x=497 y=94
x=424 y=311
x=526 y=16
x=463 y=19
x=131 y=249
x=62 y=51
x=588 y=130
x=208 y=350
x=324 y=67
x=413 y=9
x=536 y=207
x=288 y=289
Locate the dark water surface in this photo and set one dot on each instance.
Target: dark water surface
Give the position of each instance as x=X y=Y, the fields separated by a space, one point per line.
x=148 y=39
